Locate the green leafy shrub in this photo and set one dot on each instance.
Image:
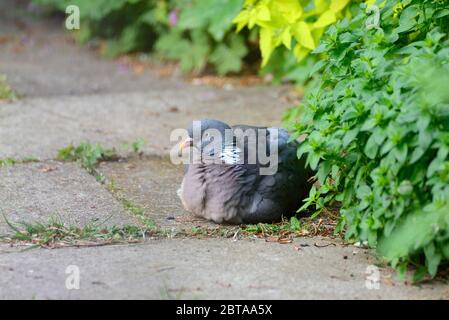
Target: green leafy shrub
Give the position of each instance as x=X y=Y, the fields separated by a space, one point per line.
x=377 y=127
x=289 y=30
x=196 y=33
x=127 y=25
x=203 y=34
x=297 y=25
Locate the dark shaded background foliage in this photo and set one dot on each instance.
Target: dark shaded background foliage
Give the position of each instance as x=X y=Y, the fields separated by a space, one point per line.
x=196 y=33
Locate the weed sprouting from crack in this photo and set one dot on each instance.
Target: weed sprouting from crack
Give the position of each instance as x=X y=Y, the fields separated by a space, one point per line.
x=291 y=228
x=135 y=146
x=13 y=161
x=6 y=93
x=139 y=212
x=89 y=155
x=56 y=234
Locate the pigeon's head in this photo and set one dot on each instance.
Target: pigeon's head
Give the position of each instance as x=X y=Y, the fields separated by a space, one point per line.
x=210 y=137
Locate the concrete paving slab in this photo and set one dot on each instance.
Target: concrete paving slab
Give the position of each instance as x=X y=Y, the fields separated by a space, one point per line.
x=40 y=127
x=197 y=269
x=39 y=191
x=40 y=58
x=152 y=183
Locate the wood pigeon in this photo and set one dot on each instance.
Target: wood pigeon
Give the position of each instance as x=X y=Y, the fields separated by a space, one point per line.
x=227 y=182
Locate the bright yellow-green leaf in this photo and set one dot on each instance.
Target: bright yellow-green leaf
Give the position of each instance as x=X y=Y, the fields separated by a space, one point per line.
x=241 y=20
x=280 y=20
x=243 y=16
x=266 y=24
x=286 y=38
x=266 y=44
x=252 y=19
x=263 y=13
x=300 y=52
x=327 y=18
x=303 y=35
x=281 y=15
x=321 y=5
x=290 y=10
x=240 y=26
x=317 y=33
x=347 y=13
x=338 y=5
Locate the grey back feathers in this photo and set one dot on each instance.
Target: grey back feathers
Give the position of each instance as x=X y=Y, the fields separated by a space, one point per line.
x=234 y=191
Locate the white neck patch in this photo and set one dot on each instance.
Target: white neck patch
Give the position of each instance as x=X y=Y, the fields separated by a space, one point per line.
x=230 y=154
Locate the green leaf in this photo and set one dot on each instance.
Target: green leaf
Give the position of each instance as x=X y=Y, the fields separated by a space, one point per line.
x=323 y=171
x=350 y=136
x=400 y=153
x=407 y=20
x=403 y=242
x=363 y=191
x=442 y=13
x=417 y=154
x=433 y=259
x=229 y=59
x=419 y=274
x=371 y=147
x=221 y=20
x=295 y=225
x=317 y=67
x=313 y=159
x=368 y=125
x=405 y=188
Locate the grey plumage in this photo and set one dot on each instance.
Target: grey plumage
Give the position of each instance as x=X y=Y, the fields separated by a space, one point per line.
x=236 y=192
